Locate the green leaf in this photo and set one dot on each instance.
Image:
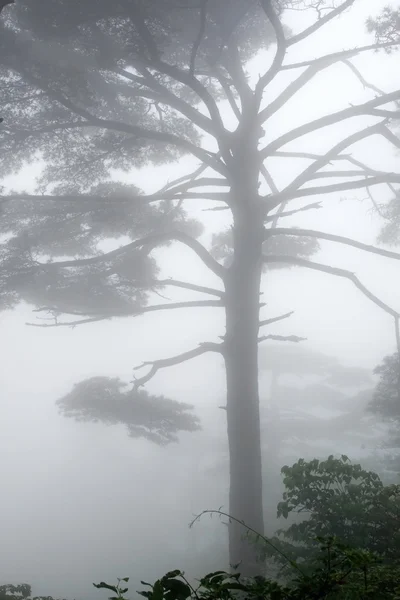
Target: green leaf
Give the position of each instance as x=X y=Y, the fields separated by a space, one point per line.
x=158 y=591
x=103 y=585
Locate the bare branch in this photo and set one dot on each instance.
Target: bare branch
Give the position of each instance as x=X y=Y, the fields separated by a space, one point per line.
x=289 y=213
x=280 y=50
x=269 y=180
x=362 y=80
x=320 y=23
x=150 y=242
x=339 y=55
x=123 y=314
x=389 y=135
x=196 y=45
x=324 y=160
x=305 y=155
x=302 y=262
x=332 y=238
x=348 y=173
x=188 y=286
x=72 y=324
x=224 y=83
x=291 y=90
x=331 y=119
x=276 y=319
x=335 y=187
x=282 y=338
x=175 y=360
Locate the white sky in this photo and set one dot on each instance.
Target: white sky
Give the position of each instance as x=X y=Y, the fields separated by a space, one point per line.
x=61 y=515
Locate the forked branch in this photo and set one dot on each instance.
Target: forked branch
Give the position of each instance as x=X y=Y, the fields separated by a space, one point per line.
x=156 y=365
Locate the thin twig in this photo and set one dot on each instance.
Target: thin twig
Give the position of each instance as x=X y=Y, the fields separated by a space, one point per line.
x=276 y=319
x=320 y=23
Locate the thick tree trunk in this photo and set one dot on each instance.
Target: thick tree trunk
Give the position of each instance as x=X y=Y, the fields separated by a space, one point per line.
x=241 y=361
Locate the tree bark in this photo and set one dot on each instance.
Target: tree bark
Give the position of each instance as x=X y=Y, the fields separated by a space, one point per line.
x=241 y=361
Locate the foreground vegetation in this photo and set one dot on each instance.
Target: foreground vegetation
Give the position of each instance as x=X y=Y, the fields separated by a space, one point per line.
x=343 y=544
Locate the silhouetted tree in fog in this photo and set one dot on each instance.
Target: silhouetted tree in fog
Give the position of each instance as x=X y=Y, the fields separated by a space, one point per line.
x=89 y=86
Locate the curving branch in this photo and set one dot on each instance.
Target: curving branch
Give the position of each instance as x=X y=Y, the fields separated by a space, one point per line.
x=199 y=38
x=281 y=47
x=282 y=338
x=302 y=262
x=320 y=23
x=275 y=319
x=149 y=242
x=336 y=117
x=332 y=238
x=156 y=365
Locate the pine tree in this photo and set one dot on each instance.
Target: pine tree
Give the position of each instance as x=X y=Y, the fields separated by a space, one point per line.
x=90 y=86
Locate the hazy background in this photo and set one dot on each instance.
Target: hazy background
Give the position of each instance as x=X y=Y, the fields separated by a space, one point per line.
x=82 y=502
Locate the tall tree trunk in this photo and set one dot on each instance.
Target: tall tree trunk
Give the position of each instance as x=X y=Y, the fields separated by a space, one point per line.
x=241 y=362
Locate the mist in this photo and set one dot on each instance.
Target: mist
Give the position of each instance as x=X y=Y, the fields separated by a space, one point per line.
x=83 y=502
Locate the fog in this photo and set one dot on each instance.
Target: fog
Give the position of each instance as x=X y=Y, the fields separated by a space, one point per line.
x=83 y=502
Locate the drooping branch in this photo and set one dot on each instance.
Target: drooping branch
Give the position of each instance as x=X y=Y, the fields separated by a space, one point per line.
x=276 y=319
x=320 y=23
x=149 y=242
x=302 y=262
x=282 y=338
x=332 y=238
x=156 y=365
x=331 y=119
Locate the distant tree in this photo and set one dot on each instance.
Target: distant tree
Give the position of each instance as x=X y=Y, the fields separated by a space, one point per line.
x=385 y=404
x=22 y=591
x=94 y=86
